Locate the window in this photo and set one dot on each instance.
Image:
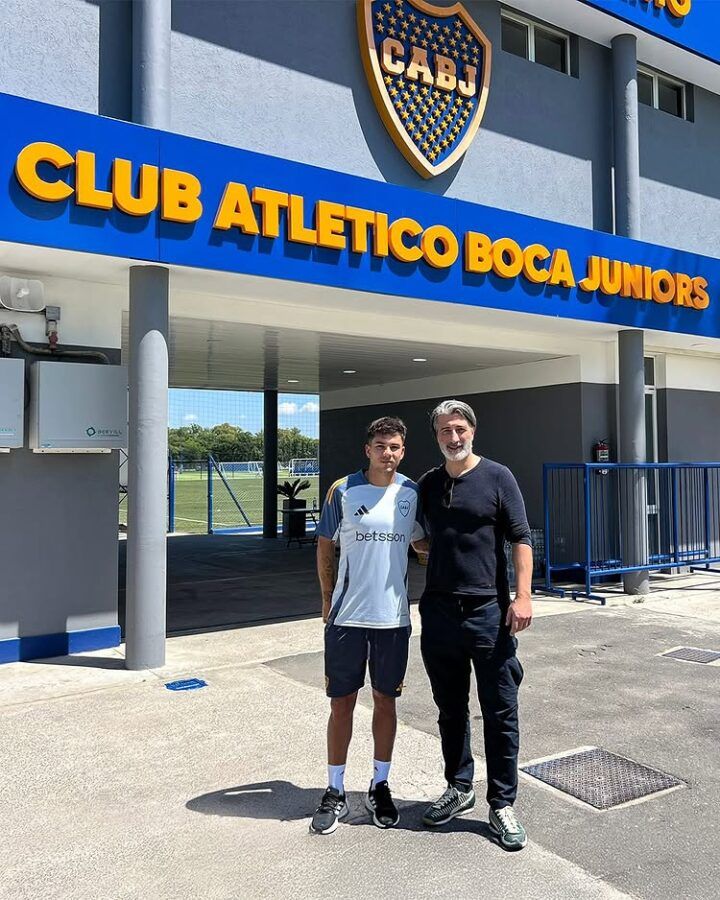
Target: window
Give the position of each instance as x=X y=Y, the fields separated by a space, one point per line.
x=662 y=92
x=538 y=43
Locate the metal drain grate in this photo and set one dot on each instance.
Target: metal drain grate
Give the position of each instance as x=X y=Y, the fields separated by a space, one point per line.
x=693 y=654
x=600 y=778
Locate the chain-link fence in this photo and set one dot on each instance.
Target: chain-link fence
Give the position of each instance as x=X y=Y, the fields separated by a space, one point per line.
x=209 y=495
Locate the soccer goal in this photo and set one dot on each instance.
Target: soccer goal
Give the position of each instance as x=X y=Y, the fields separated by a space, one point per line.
x=304 y=467
x=248 y=467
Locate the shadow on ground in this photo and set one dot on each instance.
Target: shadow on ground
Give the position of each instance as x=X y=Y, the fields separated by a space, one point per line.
x=284 y=801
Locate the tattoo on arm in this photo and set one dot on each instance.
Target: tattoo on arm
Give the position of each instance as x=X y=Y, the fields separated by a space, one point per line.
x=326 y=566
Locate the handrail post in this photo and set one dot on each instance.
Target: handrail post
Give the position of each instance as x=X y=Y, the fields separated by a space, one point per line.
x=706 y=488
x=675 y=517
x=588 y=535
x=171 y=494
x=209 y=496
x=546 y=512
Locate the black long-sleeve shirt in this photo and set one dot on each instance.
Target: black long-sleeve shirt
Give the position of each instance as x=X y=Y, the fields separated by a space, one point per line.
x=468 y=519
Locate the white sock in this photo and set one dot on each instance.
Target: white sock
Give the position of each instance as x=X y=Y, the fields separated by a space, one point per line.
x=381 y=770
x=336 y=778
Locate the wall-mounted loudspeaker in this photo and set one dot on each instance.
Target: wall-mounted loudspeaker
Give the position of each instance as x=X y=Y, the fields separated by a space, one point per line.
x=21 y=294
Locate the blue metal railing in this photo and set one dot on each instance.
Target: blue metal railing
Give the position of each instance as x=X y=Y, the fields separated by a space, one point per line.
x=609 y=519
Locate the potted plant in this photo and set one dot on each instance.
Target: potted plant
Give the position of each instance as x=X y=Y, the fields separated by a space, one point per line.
x=293 y=525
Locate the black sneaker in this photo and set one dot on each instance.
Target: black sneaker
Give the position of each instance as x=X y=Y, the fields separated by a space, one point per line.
x=452 y=803
x=333 y=807
x=379 y=802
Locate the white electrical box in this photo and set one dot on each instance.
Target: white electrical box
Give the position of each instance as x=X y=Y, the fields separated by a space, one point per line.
x=78 y=408
x=12 y=403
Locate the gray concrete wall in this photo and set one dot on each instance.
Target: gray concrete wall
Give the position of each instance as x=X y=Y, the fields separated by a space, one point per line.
x=50 y=51
x=543 y=147
x=682 y=411
x=680 y=186
x=287 y=80
x=58 y=534
x=521 y=429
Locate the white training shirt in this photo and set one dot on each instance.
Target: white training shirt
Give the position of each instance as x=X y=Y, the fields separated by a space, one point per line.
x=375 y=526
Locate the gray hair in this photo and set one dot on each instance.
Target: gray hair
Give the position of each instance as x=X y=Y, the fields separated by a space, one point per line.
x=453 y=408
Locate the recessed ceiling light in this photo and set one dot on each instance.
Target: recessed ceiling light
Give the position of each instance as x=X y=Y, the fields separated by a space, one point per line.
x=293 y=381
x=419 y=359
x=349 y=371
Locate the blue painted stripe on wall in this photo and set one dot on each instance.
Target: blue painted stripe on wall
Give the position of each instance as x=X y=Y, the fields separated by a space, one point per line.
x=42 y=646
x=697 y=31
x=65 y=225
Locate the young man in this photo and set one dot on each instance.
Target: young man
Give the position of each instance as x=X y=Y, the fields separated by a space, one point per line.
x=373 y=514
x=471 y=506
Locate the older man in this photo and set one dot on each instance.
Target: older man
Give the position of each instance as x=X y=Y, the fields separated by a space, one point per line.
x=472 y=506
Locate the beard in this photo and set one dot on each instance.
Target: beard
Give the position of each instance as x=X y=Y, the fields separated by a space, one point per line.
x=458 y=455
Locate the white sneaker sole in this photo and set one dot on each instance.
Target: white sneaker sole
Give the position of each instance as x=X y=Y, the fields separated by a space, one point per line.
x=507 y=846
x=343 y=815
x=371 y=809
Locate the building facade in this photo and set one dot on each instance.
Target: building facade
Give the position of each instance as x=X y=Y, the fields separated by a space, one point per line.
x=595 y=146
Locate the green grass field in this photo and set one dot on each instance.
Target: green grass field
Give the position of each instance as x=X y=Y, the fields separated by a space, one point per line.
x=191 y=500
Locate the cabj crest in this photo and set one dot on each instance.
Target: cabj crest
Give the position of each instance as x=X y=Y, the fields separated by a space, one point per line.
x=429 y=69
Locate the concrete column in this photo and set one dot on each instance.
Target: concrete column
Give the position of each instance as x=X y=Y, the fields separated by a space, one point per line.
x=152 y=30
x=270 y=455
x=147 y=468
x=633 y=485
x=626 y=136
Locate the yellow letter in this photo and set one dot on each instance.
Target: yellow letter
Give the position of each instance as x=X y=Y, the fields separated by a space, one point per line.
x=380 y=235
x=330 y=222
x=701 y=298
x=513 y=265
x=439 y=259
x=148 y=190
x=419 y=66
x=478 y=252
x=180 y=196
x=270 y=203
x=359 y=220
x=683 y=294
x=610 y=276
x=533 y=253
x=679 y=8
x=400 y=250
x=235 y=210
x=445 y=70
x=632 y=282
x=592 y=281
x=388 y=50
x=663 y=286
x=86 y=194
x=561 y=271
x=468 y=87
x=30 y=158
x=297 y=231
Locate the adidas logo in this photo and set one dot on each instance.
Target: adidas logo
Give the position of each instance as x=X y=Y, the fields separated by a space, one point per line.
x=362 y=510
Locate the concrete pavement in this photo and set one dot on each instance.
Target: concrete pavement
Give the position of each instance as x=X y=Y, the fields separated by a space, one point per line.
x=114 y=787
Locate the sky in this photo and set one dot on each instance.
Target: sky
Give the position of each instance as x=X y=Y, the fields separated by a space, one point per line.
x=242 y=408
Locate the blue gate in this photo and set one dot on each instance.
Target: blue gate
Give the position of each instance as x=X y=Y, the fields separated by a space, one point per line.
x=604 y=519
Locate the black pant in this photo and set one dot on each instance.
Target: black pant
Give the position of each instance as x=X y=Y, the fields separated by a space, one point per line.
x=455 y=635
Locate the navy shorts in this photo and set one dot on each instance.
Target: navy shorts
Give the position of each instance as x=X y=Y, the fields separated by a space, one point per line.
x=349 y=650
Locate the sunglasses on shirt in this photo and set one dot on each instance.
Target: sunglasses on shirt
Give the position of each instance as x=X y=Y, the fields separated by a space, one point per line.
x=446 y=499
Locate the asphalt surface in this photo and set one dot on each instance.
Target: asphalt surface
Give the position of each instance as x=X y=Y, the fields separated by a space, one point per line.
x=595 y=679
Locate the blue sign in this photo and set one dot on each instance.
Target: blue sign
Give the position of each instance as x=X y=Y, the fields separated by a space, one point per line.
x=691 y=24
x=188 y=684
x=75 y=181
